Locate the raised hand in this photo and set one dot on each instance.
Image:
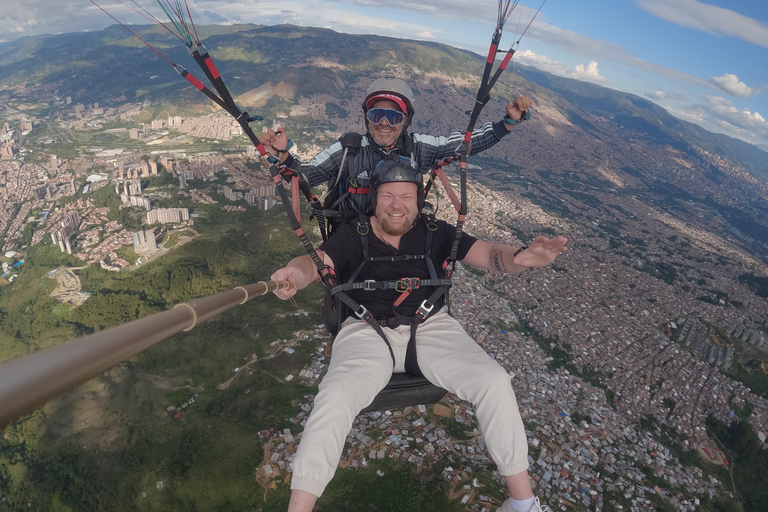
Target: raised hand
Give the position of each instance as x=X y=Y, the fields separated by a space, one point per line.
x=541 y=252
x=274 y=140
x=516 y=108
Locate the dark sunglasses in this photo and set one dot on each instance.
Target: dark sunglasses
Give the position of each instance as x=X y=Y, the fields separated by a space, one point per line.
x=393 y=117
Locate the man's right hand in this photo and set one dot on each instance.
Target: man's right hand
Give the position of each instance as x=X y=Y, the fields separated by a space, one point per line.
x=291 y=274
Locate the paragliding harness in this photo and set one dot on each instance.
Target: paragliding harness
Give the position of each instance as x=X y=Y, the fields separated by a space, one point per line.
x=329 y=216
x=299 y=184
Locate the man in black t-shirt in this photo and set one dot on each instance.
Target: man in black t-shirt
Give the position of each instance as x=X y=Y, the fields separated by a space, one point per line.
x=395 y=237
x=345 y=250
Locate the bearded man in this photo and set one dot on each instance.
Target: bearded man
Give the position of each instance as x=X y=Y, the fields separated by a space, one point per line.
x=372 y=256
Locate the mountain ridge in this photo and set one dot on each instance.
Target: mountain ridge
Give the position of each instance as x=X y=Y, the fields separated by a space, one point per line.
x=272 y=54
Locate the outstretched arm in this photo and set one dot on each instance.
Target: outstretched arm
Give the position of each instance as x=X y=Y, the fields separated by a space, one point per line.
x=501 y=258
x=433 y=149
x=299 y=272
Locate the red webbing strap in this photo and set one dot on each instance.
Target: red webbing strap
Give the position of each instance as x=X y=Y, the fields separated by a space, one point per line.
x=504 y=62
x=442 y=163
x=219 y=83
x=359 y=190
x=200 y=87
x=448 y=189
x=502 y=67
x=211 y=67
x=194 y=81
x=295 y=201
x=402 y=297
x=483 y=90
x=492 y=53
x=322 y=269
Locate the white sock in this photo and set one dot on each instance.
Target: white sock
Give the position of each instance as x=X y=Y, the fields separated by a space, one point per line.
x=522 y=505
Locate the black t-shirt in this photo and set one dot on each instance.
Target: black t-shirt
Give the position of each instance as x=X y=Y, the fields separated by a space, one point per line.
x=346 y=250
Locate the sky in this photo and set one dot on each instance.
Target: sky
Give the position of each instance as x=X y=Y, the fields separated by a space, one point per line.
x=703 y=62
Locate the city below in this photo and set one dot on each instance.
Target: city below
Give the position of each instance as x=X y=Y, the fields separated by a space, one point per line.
x=621 y=353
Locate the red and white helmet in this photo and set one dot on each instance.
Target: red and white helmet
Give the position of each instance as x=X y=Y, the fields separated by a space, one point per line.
x=392 y=89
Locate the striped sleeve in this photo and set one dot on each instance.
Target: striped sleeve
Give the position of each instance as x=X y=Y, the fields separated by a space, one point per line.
x=431 y=149
x=322 y=167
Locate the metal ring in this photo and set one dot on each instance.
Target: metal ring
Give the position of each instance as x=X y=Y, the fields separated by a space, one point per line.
x=367 y=230
x=194 y=315
x=245 y=292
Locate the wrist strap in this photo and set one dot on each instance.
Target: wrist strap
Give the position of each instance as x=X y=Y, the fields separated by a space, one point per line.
x=287 y=148
x=526 y=115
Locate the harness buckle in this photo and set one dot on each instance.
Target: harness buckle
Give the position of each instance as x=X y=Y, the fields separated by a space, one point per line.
x=406 y=284
x=425 y=309
x=368 y=285
x=363 y=314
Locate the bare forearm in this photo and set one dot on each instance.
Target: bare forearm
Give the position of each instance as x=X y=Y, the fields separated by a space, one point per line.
x=307 y=268
x=501 y=259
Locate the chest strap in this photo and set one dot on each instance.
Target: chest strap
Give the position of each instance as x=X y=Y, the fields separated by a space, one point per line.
x=402 y=285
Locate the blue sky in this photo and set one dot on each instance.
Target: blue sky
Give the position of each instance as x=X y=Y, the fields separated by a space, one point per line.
x=704 y=62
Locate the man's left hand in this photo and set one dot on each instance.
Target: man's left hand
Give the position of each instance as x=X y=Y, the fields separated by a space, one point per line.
x=541 y=252
x=518 y=106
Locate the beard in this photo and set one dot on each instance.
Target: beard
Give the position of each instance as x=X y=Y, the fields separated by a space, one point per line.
x=396 y=230
x=384 y=139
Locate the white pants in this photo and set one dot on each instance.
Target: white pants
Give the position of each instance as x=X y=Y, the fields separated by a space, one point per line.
x=361 y=366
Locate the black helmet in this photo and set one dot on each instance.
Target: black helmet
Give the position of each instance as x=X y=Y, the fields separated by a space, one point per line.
x=396 y=168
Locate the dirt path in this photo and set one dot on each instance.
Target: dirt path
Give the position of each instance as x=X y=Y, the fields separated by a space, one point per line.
x=264 y=480
x=225 y=385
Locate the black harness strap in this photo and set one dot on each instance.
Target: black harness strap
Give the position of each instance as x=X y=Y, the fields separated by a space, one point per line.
x=404 y=285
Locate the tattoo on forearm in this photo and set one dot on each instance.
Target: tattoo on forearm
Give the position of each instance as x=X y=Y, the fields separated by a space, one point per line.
x=497 y=260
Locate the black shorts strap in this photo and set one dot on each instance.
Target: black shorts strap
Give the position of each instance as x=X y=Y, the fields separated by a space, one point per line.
x=411 y=358
x=363 y=314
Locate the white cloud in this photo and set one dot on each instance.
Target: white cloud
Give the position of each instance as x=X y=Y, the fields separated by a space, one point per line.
x=722 y=116
x=749 y=125
x=426 y=34
x=657 y=95
x=530 y=58
x=708 y=18
x=731 y=84
x=602 y=51
x=694 y=116
x=587 y=72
